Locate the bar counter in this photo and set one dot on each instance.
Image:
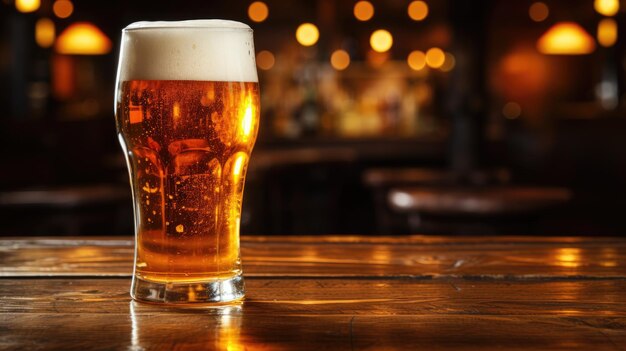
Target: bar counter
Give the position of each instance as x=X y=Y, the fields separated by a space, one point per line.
x=328 y=293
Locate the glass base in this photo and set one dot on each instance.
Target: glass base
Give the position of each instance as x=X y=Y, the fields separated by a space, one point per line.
x=211 y=292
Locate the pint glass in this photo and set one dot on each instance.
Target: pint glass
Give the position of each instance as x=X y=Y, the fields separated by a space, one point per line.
x=187 y=113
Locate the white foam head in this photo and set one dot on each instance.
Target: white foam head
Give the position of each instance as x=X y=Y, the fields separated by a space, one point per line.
x=207 y=50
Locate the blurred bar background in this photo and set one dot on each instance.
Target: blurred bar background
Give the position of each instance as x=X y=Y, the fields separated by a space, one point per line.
x=378 y=117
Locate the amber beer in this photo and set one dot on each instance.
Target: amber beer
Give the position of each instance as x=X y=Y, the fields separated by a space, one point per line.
x=187 y=115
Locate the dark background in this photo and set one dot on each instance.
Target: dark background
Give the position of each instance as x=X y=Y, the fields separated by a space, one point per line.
x=62 y=170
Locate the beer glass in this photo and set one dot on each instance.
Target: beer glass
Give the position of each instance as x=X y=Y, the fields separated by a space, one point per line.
x=187 y=113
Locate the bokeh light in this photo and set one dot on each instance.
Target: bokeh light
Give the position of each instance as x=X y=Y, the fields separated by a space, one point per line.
x=566 y=38
x=511 y=110
x=417 y=60
x=448 y=63
x=83 y=38
x=538 y=11
x=363 y=10
x=606 y=7
x=569 y=257
x=307 y=34
x=340 y=60
x=63 y=8
x=258 y=11
x=435 y=57
x=44 y=32
x=381 y=40
x=26 y=6
x=607 y=32
x=265 y=60
x=418 y=10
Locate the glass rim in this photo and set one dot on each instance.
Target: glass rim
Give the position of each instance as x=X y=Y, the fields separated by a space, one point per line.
x=185 y=24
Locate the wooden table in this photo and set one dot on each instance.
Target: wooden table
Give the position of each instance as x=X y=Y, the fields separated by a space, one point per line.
x=329 y=293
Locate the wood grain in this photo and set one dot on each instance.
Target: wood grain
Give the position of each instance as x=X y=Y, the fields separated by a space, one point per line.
x=328 y=293
x=225 y=331
x=311 y=314
x=343 y=297
x=518 y=258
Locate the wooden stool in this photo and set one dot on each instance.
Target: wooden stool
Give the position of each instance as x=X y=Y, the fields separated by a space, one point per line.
x=485 y=206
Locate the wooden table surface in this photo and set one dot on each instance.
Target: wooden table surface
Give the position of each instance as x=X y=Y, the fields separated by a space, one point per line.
x=328 y=293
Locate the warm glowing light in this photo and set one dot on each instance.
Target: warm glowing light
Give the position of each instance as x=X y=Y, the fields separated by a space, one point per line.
x=258 y=11
x=238 y=165
x=26 y=6
x=247 y=122
x=609 y=256
x=538 y=11
x=64 y=77
x=265 y=60
x=418 y=10
x=607 y=32
x=340 y=60
x=568 y=257
x=307 y=34
x=44 y=32
x=523 y=74
x=416 y=60
x=448 y=63
x=381 y=40
x=377 y=59
x=309 y=253
x=606 y=7
x=63 y=8
x=83 y=38
x=382 y=255
x=609 y=264
x=363 y=10
x=435 y=57
x=512 y=110
x=175 y=114
x=176 y=111
x=228 y=330
x=135 y=114
x=566 y=38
